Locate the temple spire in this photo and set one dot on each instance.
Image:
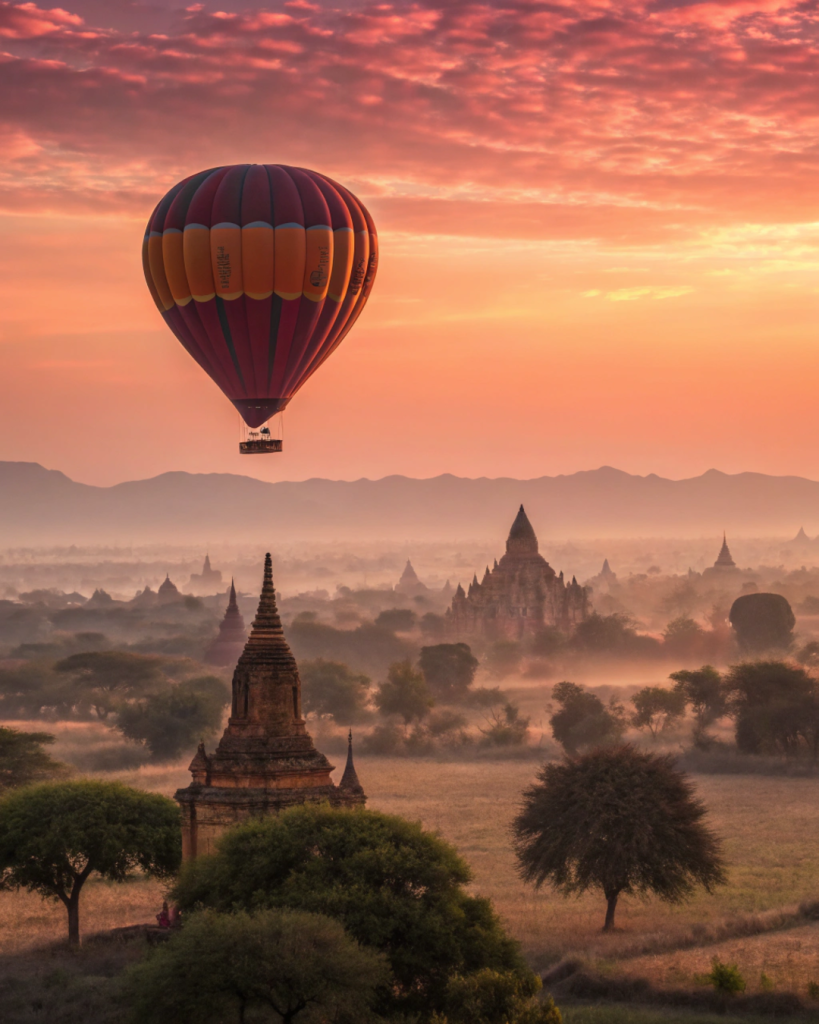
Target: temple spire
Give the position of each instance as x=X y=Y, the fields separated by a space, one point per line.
x=267 y=626
x=232 y=605
x=349 y=780
x=724 y=560
x=522 y=539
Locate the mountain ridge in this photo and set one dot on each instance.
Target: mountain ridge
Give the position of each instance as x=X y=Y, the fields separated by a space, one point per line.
x=39 y=505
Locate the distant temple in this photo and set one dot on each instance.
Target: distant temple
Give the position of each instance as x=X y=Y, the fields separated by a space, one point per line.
x=207 y=577
x=724 y=560
x=168 y=591
x=409 y=584
x=519 y=596
x=265 y=761
x=230 y=642
x=606 y=571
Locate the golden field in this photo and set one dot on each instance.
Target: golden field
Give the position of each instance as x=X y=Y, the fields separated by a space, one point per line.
x=769 y=826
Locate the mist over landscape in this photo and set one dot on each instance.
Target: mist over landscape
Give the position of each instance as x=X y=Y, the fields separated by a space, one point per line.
x=409 y=512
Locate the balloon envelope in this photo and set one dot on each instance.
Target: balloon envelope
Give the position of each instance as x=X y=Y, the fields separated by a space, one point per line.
x=260 y=270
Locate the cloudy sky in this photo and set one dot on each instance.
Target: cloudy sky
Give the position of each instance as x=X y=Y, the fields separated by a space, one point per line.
x=598 y=222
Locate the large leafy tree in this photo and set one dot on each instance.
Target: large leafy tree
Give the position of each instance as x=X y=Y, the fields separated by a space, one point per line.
x=174 y=719
x=582 y=719
x=657 y=709
x=23 y=760
x=331 y=688
x=775 y=706
x=703 y=692
x=54 y=836
x=449 y=670
x=619 y=821
x=393 y=886
x=106 y=678
x=279 y=965
x=405 y=693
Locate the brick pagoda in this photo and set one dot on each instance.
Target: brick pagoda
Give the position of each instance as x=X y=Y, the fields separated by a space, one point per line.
x=229 y=644
x=265 y=761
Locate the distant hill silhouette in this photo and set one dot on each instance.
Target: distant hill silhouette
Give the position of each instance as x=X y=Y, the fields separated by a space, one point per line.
x=41 y=506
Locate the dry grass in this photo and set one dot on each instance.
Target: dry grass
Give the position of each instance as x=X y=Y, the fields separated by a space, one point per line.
x=769 y=825
x=789 y=959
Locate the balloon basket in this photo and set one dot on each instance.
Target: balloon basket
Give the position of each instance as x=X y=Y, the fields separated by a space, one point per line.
x=261 y=440
x=261 y=446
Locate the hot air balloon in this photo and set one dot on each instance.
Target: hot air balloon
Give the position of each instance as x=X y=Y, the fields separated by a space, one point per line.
x=260 y=270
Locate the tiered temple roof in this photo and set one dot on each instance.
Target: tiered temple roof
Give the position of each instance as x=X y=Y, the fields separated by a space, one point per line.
x=724 y=560
x=265 y=760
x=229 y=644
x=519 y=596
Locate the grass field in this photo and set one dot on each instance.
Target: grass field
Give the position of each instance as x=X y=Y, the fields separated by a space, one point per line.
x=769 y=825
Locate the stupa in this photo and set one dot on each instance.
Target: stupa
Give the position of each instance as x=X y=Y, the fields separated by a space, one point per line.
x=519 y=596
x=724 y=560
x=265 y=760
x=229 y=644
x=409 y=585
x=168 y=591
x=208 y=577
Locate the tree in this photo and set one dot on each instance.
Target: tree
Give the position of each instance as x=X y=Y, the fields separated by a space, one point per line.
x=398 y=620
x=610 y=634
x=331 y=688
x=107 y=677
x=507 y=728
x=449 y=670
x=491 y=997
x=503 y=658
x=548 y=642
x=219 y=967
x=684 y=637
x=656 y=709
x=53 y=836
x=176 y=718
x=775 y=707
x=23 y=760
x=583 y=720
x=762 y=622
x=702 y=690
x=405 y=693
x=620 y=821
x=393 y=886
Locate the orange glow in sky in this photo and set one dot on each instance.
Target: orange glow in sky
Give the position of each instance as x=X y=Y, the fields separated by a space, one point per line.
x=598 y=225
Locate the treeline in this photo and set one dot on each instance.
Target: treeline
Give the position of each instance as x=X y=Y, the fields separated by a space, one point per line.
x=773 y=707
x=163 y=703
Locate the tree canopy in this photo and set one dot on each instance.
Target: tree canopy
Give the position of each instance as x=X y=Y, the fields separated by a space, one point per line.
x=392 y=885
x=657 y=709
x=702 y=691
x=175 y=718
x=405 y=693
x=107 y=677
x=449 y=670
x=775 y=706
x=332 y=689
x=53 y=836
x=279 y=965
x=582 y=719
x=23 y=760
x=620 y=821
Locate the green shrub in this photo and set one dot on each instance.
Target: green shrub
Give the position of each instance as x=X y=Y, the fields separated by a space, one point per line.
x=723 y=977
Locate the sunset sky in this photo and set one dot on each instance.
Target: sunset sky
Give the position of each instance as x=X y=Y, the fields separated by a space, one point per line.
x=598 y=221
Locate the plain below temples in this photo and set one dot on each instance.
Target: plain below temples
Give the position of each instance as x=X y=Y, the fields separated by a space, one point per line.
x=266 y=760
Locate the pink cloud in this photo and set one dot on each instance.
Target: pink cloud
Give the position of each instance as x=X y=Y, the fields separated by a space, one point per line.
x=671 y=113
x=28 y=21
